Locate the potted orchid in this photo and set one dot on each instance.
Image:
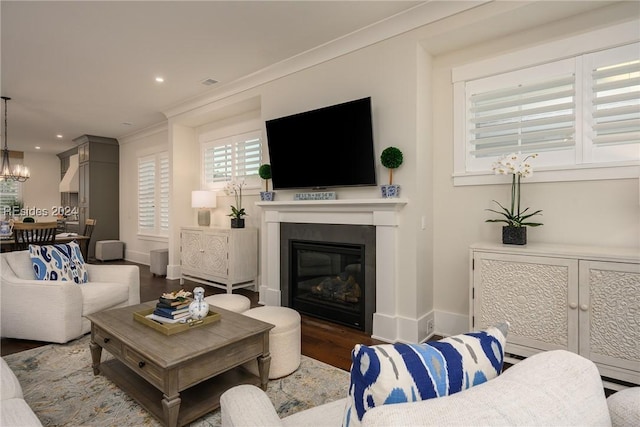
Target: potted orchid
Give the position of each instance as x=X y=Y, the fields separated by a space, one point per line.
x=237 y=211
x=515 y=232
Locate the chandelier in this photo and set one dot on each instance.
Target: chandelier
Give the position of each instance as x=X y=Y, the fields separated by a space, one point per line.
x=18 y=172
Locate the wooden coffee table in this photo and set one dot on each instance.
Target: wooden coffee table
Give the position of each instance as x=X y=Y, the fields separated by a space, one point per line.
x=178 y=378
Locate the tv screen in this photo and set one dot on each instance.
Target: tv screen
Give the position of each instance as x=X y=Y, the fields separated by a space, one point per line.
x=327 y=147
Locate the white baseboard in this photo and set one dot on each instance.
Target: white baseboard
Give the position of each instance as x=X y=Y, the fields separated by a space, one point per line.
x=385 y=327
x=137 y=257
x=448 y=324
x=174 y=272
x=269 y=296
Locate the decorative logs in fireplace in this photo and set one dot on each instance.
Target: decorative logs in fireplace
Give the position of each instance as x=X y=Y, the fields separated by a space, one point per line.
x=342 y=287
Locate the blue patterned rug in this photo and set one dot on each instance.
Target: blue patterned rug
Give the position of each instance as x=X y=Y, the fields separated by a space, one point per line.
x=59 y=385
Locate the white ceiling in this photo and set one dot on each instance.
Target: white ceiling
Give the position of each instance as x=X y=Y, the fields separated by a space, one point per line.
x=87 y=67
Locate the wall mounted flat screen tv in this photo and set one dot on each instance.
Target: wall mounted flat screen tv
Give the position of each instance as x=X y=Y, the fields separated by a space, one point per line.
x=327 y=147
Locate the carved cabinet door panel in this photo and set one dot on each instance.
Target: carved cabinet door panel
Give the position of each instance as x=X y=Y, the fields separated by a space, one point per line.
x=216 y=251
x=192 y=250
x=538 y=296
x=610 y=316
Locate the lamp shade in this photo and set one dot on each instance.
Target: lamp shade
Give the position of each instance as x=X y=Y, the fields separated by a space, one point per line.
x=203 y=199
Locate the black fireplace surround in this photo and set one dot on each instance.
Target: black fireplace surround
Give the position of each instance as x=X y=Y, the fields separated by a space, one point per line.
x=328 y=271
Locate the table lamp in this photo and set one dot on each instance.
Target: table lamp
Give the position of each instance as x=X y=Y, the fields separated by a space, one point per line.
x=203 y=201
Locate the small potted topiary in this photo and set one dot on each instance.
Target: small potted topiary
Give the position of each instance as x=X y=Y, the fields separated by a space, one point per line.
x=391 y=158
x=265 y=173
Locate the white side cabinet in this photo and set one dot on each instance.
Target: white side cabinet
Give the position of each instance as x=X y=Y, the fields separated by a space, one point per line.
x=225 y=258
x=582 y=299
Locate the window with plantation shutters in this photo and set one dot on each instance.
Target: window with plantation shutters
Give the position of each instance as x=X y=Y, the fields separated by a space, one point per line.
x=579 y=114
x=535 y=115
x=153 y=194
x=10 y=196
x=233 y=158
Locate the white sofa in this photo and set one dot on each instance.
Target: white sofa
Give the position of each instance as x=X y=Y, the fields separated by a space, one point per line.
x=14 y=411
x=55 y=311
x=555 y=388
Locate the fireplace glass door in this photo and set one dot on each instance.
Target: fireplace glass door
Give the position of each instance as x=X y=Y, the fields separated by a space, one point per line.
x=327 y=281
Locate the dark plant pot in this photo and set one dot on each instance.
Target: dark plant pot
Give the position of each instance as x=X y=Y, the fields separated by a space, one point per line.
x=390 y=191
x=267 y=196
x=514 y=235
x=237 y=222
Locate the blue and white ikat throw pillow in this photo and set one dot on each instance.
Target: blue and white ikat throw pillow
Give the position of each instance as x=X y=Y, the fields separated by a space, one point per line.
x=398 y=373
x=62 y=261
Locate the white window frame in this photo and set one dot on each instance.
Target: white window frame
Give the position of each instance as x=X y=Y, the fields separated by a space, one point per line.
x=160 y=187
x=236 y=172
x=498 y=69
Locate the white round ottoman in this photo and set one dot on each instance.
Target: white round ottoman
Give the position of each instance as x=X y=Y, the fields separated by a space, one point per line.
x=284 y=339
x=232 y=302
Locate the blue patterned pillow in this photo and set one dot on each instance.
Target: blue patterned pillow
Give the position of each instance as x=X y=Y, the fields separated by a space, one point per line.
x=397 y=373
x=62 y=261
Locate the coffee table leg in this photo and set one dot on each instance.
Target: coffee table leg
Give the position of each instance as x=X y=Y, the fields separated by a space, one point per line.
x=264 y=363
x=170 y=408
x=96 y=355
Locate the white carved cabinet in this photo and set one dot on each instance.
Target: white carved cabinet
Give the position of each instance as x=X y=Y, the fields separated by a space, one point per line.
x=225 y=258
x=582 y=299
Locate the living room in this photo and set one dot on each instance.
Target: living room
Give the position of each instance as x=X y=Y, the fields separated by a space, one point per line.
x=412 y=98
x=409 y=77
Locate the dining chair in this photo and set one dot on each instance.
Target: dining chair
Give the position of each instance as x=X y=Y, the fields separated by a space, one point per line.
x=89 y=225
x=35 y=233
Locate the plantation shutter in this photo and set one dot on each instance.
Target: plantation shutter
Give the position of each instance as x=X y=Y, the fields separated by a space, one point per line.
x=526 y=118
x=218 y=163
x=164 y=193
x=616 y=103
x=236 y=157
x=146 y=193
x=247 y=157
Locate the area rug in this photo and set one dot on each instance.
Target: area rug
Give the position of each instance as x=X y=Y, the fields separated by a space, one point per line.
x=59 y=385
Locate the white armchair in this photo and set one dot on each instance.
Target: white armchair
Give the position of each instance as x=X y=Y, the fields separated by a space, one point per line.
x=553 y=388
x=55 y=311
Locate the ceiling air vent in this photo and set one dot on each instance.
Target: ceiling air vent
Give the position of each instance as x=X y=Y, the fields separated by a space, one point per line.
x=209 y=82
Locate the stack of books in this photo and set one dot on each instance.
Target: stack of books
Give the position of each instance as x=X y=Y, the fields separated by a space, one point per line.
x=171 y=309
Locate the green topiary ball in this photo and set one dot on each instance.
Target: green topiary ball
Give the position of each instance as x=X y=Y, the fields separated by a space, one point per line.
x=265 y=171
x=391 y=157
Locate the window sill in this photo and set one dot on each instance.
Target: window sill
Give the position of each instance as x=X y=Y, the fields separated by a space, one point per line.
x=591 y=173
x=153 y=237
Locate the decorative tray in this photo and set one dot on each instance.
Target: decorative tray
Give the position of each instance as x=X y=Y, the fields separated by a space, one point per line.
x=173 y=328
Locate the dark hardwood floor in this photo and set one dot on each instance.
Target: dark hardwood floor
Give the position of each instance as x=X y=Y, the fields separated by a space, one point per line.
x=321 y=340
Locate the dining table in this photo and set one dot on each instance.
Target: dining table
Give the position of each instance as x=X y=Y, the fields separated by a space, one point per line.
x=8 y=244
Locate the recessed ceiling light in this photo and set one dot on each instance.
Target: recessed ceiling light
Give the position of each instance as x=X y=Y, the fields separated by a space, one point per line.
x=159 y=79
x=59 y=136
x=37 y=147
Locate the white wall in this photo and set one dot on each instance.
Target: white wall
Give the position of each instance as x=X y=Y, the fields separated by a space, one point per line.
x=409 y=80
x=41 y=191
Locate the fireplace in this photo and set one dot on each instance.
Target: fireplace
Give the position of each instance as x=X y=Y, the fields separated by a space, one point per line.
x=379 y=217
x=328 y=272
x=327 y=281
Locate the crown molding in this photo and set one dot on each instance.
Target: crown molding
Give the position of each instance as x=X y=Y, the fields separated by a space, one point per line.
x=420 y=15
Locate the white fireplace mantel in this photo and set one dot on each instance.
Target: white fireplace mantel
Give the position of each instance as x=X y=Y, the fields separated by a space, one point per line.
x=381 y=213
